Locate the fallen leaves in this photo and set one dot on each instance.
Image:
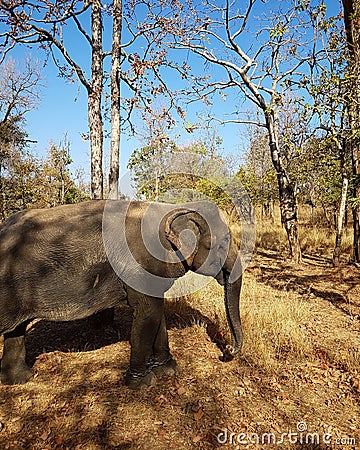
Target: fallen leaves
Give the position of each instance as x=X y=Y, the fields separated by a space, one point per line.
x=356 y=384
x=198 y=415
x=181 y=391
x=44 y=436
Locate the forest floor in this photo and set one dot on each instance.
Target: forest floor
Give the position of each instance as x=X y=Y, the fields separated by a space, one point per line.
x=296 y=384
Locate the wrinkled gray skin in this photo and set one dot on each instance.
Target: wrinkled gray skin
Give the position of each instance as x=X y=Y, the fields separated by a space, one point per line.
x=53 y=266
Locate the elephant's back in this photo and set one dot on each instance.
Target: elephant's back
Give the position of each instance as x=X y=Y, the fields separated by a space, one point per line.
x=53 y=264
x=33 y=229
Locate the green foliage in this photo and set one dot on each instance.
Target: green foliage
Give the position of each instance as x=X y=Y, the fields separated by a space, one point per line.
x=148 y=166
x=354 y=202
x=57 y=174
x=18 y=181
x=11 y=132
x=216 y=189
x=166 y=172
x=278 y=30
x=319 y=175
x=257 y=173
x=27 y=181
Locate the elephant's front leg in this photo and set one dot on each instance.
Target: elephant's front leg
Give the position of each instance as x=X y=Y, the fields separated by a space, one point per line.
x=14 y=369
x=148 y=313
x=163 y=363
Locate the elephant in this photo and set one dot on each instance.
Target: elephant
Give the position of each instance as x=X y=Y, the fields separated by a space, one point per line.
x=71 y=261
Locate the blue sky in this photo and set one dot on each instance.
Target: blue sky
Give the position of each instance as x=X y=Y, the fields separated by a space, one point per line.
x=63 y=108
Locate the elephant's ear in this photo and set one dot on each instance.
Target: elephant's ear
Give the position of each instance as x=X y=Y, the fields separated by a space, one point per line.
x=182 y=230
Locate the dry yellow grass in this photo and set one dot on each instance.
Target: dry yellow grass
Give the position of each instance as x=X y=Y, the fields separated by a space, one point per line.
x=316 y=238
x=274 y=322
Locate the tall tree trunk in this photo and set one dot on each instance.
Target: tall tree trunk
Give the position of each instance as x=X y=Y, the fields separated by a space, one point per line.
x=2 y=194
x=271 y=210
x=94 y=103
x=355 y=158
x=288 y=210
x=288 y=206
x=342 y=208
x=115 y=101
x=62 y=186
x=352 y=27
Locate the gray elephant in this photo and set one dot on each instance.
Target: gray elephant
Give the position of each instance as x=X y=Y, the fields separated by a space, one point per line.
x=68 y=262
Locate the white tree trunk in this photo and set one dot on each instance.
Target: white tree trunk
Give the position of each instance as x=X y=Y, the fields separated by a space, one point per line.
x=94 y=104
x=288 y=206
x=115 y=101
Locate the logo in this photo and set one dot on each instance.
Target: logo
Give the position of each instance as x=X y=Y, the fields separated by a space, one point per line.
x=187 y=185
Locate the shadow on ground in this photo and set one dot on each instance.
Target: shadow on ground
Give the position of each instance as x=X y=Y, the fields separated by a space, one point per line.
x=88 y=334
x=315 y=277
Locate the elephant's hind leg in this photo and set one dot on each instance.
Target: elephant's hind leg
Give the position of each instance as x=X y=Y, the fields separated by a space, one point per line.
x=14 y=369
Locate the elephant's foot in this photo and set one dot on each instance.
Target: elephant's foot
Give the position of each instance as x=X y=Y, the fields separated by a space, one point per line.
x=166 y=368
x=136 y=381
x=18 y=375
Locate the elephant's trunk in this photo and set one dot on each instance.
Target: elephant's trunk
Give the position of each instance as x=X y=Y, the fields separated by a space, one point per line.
x=232 y=307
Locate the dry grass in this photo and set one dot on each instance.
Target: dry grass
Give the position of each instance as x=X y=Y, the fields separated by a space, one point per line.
x=277 y=325
x=261 y=316
x=300 y=363
x=315 y=237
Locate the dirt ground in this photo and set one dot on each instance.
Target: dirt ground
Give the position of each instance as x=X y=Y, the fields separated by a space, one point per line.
x=300 y=397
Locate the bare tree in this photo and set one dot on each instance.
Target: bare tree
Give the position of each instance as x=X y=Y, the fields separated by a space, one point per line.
x=115 y=100
x=43 y=24
x=19 y=88
x=136 y=62
x=261 y=70
x=19 y=94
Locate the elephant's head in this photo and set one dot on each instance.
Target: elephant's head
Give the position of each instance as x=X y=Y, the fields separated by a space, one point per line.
x=206 y=246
